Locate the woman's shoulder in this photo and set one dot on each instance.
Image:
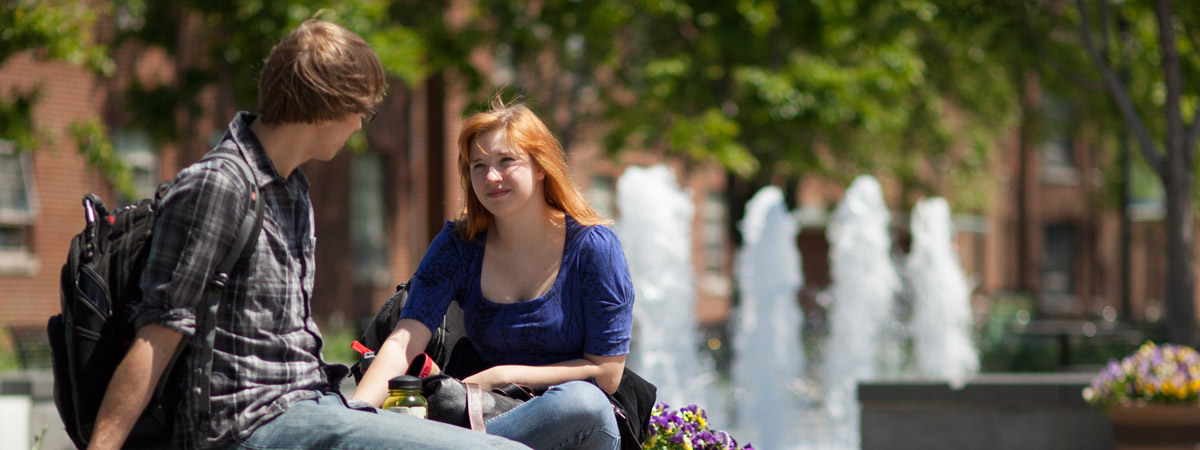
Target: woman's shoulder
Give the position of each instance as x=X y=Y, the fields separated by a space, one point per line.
x=451 y=239
x=592 y=236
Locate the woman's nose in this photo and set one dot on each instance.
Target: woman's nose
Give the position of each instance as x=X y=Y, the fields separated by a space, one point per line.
x=493 y=175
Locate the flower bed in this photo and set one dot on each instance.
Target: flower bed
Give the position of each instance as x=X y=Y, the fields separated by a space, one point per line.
x=686 y=429
x=1165 y=374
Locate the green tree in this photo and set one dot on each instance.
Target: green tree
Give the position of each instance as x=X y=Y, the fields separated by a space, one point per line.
x=772 y=90
x=237 y=36
x=63 y=31
x=1138 y=55
x=1154 y=100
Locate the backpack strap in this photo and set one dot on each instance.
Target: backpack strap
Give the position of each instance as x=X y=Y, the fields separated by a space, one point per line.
x=247 y=234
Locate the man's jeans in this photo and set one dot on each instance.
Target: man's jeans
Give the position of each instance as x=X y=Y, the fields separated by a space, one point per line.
x=327 y=423
x=572 y=415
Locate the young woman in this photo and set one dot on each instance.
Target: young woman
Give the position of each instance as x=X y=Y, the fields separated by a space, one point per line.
x=545 y=290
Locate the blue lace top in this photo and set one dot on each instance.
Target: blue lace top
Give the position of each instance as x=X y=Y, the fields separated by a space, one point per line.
x=589 y=309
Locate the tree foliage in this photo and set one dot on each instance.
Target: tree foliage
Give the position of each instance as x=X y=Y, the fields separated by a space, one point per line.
x=53 y=30
x=1144 y=57
x=237 y=36
x=767 y=88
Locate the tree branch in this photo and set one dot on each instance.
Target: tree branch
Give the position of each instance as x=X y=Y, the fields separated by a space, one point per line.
x=1193 y=132
x=1172 y=78
x=1054 y=63
x=1120 y=95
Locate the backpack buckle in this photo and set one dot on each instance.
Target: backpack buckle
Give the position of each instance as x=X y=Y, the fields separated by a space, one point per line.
x=220 y=279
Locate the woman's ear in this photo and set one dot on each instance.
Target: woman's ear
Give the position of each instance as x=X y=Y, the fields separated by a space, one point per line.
x=538 y=173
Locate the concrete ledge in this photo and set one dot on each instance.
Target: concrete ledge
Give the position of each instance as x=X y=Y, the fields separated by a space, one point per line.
x=43 y=426
x=991 y=411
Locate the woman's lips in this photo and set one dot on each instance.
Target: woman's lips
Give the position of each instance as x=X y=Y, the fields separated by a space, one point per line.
x=497 y=192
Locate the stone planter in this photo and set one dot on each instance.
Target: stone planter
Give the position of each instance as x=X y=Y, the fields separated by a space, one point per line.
x=1155 y=426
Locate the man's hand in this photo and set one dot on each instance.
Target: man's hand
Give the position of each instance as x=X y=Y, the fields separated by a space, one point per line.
x=132 y=385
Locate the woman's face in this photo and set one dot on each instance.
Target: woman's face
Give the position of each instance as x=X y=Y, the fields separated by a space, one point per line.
x=504 y=178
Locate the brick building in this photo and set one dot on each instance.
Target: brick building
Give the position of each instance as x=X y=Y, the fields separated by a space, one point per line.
x=375 y=211
x=1046 y=233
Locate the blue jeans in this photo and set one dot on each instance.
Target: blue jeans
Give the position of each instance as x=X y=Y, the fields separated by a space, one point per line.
x=575 y=414
x=326 y=422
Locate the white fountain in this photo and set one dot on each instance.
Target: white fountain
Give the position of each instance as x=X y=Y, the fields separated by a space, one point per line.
x=655 y=227
x=863 y=290
x=768 y=357
x=775 y=404
x=941 y=304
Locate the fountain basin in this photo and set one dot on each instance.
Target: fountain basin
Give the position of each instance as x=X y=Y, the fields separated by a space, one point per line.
x=991 y=411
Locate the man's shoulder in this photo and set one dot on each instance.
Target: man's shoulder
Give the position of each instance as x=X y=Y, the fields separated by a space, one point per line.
x=215 y=172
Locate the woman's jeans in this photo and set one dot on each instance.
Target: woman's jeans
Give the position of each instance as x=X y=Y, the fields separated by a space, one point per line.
x=575 y=414
x=326 y=422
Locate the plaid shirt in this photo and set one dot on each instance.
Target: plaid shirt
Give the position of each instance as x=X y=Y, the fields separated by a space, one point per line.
x=267 y=349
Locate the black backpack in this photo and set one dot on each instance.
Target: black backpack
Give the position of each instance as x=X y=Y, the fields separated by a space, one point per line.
x=100 y=285
x=444 y=341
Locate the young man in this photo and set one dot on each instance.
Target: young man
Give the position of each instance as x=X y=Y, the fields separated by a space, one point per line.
x=270 y=387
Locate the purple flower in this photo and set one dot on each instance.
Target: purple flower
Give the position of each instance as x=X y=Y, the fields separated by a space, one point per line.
x=686 y=428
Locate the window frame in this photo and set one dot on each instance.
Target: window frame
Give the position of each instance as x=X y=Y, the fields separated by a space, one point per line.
x=20 y=260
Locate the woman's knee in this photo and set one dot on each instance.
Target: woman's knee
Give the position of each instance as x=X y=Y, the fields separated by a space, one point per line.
x=583 y=398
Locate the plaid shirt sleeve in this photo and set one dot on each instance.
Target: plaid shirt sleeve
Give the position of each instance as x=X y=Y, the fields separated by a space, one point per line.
x=195 y=227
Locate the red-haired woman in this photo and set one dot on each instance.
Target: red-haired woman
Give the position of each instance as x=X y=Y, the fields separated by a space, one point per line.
x=545 y=290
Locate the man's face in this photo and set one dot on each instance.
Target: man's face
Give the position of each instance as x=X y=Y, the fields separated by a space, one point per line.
x=336 y=132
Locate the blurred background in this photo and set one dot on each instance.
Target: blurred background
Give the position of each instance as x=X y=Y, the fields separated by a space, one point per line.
x=1062 y=134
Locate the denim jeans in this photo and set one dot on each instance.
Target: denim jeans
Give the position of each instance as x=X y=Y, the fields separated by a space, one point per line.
x=327 y=422
x=573 y=415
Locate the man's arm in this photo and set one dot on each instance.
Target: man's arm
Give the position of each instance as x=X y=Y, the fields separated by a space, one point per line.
x=132 y=384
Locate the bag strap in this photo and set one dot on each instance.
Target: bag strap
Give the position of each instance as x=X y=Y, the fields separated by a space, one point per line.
x=475 y=407
x=247 y=234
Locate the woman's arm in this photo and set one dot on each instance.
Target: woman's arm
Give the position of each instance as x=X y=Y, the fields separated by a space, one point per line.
x=407 y=341
x=606 y=369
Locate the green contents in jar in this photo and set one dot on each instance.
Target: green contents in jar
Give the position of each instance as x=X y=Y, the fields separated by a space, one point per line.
x=404 y=397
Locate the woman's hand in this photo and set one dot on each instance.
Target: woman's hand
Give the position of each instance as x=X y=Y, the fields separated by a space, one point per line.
x=606 y=369
x=492 y=378
x=408 y=339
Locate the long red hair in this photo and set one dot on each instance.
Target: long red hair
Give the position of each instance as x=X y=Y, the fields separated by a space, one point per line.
x=523 y=130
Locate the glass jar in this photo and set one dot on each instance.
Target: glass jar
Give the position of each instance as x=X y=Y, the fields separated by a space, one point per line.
x=404 y=397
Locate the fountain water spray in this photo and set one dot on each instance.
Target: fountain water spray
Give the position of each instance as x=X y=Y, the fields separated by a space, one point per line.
x=655 y=227
x=768 y=356
x=941 y=311
x=863 y=289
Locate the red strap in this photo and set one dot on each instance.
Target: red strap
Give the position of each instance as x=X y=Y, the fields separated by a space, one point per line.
x=422 y=366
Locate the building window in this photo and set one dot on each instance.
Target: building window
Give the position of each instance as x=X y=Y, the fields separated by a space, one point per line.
x=1147 y=198
x=1057 y=142
x=715 y=257
x=602 y=197
x=18 y=206
x=137 y=152
x=1058 y=268
x=368 y=223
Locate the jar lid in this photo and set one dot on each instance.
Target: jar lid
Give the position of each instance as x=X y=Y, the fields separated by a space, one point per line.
x=405 y=382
